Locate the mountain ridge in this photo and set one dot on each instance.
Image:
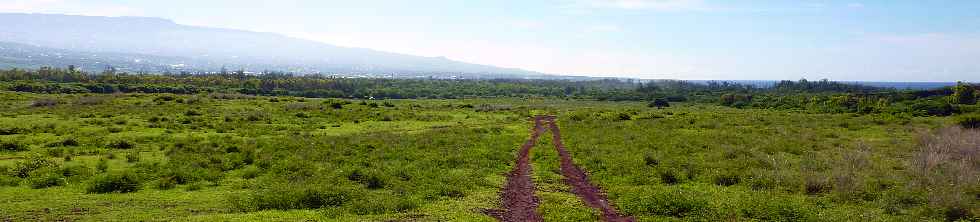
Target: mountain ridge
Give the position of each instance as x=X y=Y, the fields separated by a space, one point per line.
x=164 y=37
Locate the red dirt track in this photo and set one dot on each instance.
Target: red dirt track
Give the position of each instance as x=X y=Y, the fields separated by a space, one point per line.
x=518 y=202
x=579 y=181
x=517 y=198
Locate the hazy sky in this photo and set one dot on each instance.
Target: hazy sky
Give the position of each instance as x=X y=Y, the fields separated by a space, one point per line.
x=683 y=39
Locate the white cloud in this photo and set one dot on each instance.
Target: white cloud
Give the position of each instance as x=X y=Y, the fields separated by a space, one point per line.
x=651 y=4
x=586 y=6
x=26 y=5
x=526 y=24
x=602 y=28
x=71 y=7
x=529 y=56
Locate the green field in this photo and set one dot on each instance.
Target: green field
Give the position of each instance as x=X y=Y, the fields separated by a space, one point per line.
x=230 y=157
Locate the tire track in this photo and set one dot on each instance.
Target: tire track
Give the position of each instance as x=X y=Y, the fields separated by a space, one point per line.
x=518 y=202
x=576 y=178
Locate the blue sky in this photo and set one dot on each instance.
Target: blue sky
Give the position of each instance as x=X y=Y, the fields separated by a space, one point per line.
x=679 y=39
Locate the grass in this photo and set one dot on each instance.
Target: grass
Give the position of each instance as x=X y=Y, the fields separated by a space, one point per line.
x=228 y=157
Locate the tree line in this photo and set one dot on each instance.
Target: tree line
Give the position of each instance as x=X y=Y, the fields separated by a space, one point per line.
x=819 y=96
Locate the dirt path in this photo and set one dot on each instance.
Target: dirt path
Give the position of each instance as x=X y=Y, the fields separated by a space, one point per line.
x=517 y=198
x=579 y=181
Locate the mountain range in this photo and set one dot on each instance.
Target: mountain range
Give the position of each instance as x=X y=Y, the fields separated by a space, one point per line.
x=142 y=44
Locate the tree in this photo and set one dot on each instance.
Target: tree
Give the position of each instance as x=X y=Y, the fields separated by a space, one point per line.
x=659 y=103
x=963 y=94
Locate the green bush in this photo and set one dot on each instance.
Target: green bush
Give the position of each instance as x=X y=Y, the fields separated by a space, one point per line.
x=102 y=165
x=669 y=177
x=125 y=182
x=286 y=197
x=164 y=98
x=31 y=163
x=194 y=186
x=69 y=142
x=969 y=121
x=44 y=178
x=727 y=179
x=680 y=202
x=13 y=146
x=302 y=115
x=133 y=157
x=774 y=208
x=121 y=144
x=166 y=183
x=250 y=172
x=44 y=102
x=193 y=113
x=624 y=116
x=9 y=181
x=76 y=170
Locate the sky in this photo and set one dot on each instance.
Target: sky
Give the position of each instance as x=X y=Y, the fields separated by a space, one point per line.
x=886 y=40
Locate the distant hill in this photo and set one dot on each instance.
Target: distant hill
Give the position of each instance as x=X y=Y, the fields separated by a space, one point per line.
x=165 y=42
x=16 y=55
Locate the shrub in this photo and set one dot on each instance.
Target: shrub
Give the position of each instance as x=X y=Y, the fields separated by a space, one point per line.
x=816 y=185
x=668 y=177
x=91 y=100
x=115 y=129
x=624 y=116
x=44 y=102
x=75 y=170
x=650 y=160
x=121 y=144
x=945 y=168
x=47 y=177
x=193 y=100
x=250 y=172
x=125 y=182
x=301 y=106
x=678 y=202
x=659 y=103
x=194 y=186
x=969 y=121
x=69 y=142
x=302 y=115
x=166 y=183
x=133 y=157
x=164 y=98
x=9 y=181
x=55 y=152
x=13 y=146
x=102 y=166
x=727 y=179
x=775 y=208
x=302 y=197
x=12 y=131
x=193 y=112
x=24 y=168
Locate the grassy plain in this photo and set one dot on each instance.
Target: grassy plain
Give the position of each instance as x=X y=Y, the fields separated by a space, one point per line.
x=234 y=157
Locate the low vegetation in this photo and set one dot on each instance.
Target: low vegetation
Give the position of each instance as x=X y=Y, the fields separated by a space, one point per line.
x=209 y=154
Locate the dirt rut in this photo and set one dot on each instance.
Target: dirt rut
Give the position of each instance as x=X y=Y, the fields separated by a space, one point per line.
x=576 y=178
x=518 y=202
